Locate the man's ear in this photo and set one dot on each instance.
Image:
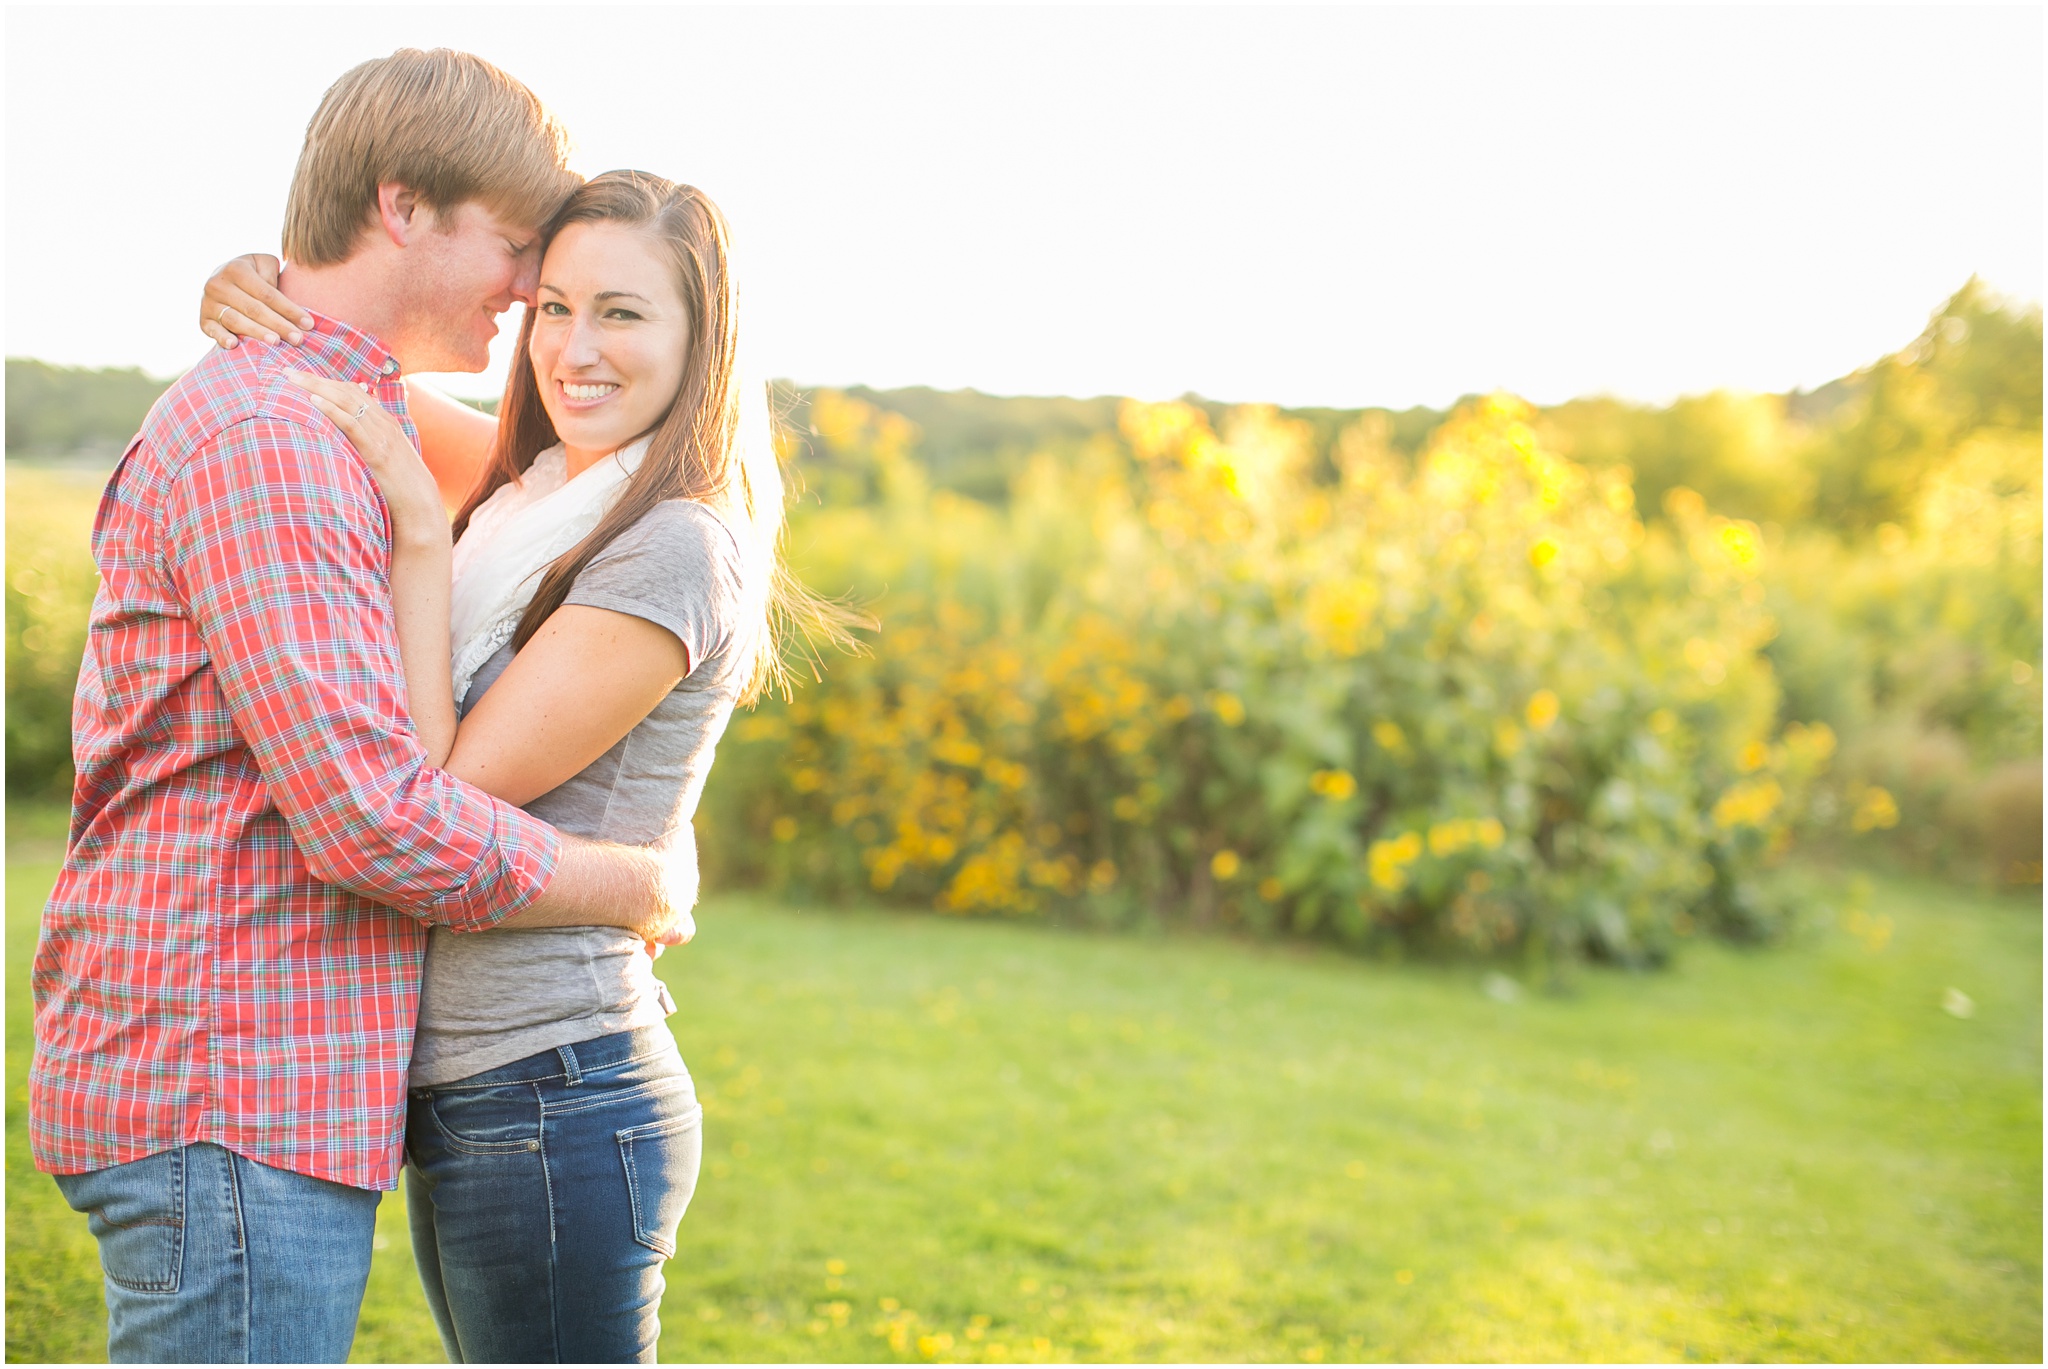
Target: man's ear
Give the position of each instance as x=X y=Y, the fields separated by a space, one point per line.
x=399 y=212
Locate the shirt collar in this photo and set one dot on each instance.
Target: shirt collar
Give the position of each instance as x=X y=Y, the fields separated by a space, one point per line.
x=347 y=352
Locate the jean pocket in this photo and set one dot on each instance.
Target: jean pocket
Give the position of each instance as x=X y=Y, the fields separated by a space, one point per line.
x=490 y=1121
x=661 y=1160
x=136 y=1212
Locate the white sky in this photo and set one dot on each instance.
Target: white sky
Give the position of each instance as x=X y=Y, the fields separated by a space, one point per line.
x=1337 y=206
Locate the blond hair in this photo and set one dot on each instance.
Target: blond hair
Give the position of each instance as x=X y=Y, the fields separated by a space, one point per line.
x=447 y=125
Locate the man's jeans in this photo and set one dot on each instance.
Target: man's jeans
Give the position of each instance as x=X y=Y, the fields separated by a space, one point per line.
x=211 y=1257
x=544 y=1197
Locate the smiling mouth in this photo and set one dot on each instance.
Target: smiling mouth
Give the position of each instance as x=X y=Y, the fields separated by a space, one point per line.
x=588 y=393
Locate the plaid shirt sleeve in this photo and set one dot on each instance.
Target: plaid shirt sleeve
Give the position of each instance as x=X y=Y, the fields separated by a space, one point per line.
x=275 y=540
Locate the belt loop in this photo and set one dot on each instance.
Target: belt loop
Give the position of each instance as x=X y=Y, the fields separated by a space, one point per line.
x=574 y=1075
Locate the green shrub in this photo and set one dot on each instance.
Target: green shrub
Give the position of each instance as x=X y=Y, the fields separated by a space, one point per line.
x=1471 y=702
x=50 y=583
x=60 y=410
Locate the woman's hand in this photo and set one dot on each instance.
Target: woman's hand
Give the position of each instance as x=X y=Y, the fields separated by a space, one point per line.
x=242 y=300
x=420 y=552
x=417 y=514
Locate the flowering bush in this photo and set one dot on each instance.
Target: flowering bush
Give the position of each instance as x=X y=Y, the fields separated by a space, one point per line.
x=1467 y=700
x=1924 y=648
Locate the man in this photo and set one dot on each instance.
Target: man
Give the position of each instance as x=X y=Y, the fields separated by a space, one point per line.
x=228 y=974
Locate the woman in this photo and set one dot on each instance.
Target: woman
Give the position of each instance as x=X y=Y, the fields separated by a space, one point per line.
x=615 y=585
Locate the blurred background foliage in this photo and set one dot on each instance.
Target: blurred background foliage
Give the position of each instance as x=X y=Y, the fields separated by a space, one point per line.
x=1552 y=682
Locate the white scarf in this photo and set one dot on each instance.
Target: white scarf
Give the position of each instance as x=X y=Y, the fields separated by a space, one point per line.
x=515 y=535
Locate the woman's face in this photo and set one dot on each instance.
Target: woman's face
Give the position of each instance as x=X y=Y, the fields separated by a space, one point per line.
x=610 y=336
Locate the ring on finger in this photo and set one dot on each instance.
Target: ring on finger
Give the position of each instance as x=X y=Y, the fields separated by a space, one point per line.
x=222 y=316
x=361 y=409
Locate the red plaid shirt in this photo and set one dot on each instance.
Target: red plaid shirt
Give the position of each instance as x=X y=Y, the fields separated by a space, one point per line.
x=258 y=846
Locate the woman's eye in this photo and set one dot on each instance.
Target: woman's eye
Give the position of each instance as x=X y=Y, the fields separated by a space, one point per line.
x=626 y=314
x=555 y=308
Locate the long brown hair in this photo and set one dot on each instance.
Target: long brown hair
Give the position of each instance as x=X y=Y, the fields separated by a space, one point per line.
x=713 y=445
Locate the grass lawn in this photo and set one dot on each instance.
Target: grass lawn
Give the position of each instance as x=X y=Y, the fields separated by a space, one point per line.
x=938 y=1140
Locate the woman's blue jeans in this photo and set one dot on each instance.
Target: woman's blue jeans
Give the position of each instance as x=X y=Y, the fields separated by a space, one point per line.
x=544 y=1197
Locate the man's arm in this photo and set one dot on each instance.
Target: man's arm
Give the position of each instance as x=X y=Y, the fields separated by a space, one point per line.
x=274 y=541
x=599 y=884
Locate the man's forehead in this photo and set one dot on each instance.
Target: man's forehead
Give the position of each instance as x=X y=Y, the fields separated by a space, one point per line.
x=482 y=217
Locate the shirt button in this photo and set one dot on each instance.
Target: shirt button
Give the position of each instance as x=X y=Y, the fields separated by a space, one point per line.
x=391 y=366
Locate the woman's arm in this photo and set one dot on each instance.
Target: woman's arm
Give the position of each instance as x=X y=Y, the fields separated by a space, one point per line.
x=241 y=300
x=585 y=680
x=581 y=683
x=455 y=440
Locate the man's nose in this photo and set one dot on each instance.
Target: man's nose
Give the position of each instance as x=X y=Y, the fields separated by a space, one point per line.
x=526 y=283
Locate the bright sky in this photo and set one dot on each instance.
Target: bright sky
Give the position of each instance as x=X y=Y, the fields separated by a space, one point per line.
x=1339 y=206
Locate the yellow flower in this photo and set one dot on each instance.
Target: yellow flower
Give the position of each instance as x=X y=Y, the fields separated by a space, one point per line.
x=1333 y=784
x=1876 y=810
x=1542 y=710
x=1387 y=860
x=1748 y=804
x=958 y=751
x=1543 y=553
x=1338 y=614
x=1389 y=736
x=886 y=864
x=1008 y=774
x=1815 y=743
x=1229 y=709
x=1741 y=544
x=1225 y=864
x=783 y=828
x=1706 y=657
x=1387 y=875
x=1752 y=757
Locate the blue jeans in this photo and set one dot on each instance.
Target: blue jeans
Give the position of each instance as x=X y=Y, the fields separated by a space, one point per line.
x=544 y=1197
x=212 y=1258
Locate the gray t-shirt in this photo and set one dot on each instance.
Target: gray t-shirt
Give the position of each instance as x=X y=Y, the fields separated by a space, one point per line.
x=490 y=998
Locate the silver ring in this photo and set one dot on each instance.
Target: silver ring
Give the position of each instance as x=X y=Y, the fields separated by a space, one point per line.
x=361 y=409
x=221 y=317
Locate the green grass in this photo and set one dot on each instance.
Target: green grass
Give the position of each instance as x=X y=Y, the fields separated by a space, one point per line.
x=930 y=1139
